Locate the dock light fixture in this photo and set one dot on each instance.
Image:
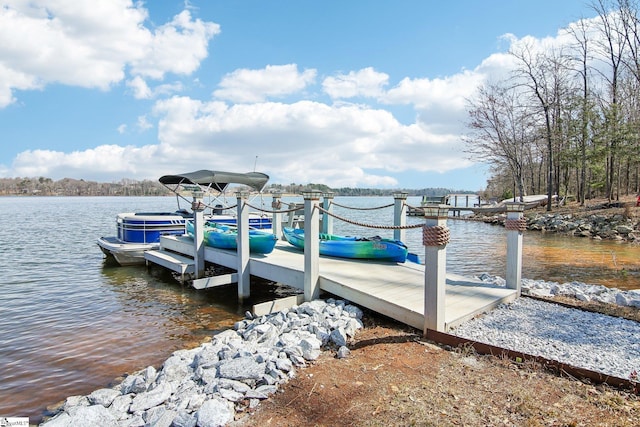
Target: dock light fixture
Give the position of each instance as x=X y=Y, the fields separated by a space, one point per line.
x=400 y=195
x=196 y=204
x=312 y=194
x=242 y=194
x=328 y=195
x=433 y=211
x=515 y=206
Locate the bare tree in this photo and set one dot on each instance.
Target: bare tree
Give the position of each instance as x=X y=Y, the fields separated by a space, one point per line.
x=543 y=74
x=501 y=131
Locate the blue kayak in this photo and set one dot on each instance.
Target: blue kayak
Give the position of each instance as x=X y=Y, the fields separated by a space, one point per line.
x=352 y=247
x=223 y=236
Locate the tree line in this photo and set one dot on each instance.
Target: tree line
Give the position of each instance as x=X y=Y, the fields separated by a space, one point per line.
x=42 y=186
x=566 y=121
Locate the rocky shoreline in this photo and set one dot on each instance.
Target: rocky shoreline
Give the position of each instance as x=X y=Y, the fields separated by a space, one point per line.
x=220 y=381
x=213 y=384
x=616 y=226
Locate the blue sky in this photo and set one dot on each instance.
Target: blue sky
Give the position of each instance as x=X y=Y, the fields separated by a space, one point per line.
x=346 y=93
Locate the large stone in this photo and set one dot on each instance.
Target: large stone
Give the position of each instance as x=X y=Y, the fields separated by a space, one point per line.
x=241 y=368
x=339 y=337
x=184 y=419
x=103 y=396
x=91 y=416
x=310 y=348
x=151 y=398
x=159 y=416
x=175 y=369
x=215 y=412
x=133 y=384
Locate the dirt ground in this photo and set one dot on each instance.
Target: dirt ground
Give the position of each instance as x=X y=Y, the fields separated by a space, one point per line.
x=395 y=378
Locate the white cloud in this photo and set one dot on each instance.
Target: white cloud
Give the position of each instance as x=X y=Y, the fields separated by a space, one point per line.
x=305 y=141
x=301 y=141
x=449 y=92
x=140 y=88
x=181 y=38
x=91 y=43
x=143 y=123
x=366 y=82
x=248 y=86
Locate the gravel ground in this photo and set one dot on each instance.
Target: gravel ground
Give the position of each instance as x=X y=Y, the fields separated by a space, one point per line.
x=594 y=341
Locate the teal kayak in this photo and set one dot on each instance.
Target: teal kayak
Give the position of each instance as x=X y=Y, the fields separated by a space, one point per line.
x=352 y=247
x=223 y=236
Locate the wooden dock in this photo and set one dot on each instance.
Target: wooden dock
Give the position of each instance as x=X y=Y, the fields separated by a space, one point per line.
x=392 y=289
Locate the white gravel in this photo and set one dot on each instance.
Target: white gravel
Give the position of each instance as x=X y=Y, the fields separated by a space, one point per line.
x=592 y=341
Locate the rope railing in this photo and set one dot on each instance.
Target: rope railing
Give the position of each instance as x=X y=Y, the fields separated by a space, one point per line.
x=272 y=211
x=206 y=205
x=360 y=209
x=361 y=224
x=412 y=207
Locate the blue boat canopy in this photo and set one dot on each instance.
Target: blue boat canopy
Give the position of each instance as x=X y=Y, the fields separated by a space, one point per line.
x=216 y=179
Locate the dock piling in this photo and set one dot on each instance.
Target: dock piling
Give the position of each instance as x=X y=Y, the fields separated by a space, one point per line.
x=276 y=220
x=311 y=245
x=515 y=225
x=197 y=206
x=327 y=219
x=244 y=276
x=399 y=215
x=435 y=237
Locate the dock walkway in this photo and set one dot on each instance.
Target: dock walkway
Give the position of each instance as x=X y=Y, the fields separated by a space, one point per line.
x=392 y=289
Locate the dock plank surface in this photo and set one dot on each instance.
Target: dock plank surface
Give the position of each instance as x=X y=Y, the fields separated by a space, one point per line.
x=393 y=289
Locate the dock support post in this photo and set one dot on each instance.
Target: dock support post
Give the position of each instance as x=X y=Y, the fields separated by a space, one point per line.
x=515 y=225
x=327 y=219
x=197 y=206
x=276 y=221
x=435 y=236
x=244 y=277
x=311 y=245
x=399 y=215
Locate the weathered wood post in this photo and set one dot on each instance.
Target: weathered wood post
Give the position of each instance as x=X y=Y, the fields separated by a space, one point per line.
x=399 y=215
x=276 y=219
x=311 y=245
x=197 y=206
x=435 y=236
x=242 y=220
x=515 y=225
x=327 y=219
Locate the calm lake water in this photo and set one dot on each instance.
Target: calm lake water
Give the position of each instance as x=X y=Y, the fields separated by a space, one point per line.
x=71 y=323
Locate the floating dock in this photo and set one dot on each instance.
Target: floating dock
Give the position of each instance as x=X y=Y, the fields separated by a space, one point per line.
x=392 y=289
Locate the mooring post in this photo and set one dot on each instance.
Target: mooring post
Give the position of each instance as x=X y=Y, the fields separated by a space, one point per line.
x=242 y=222
x=197 y=206
x=327 y=219
x=399 y=215
x=435 y=236
x=515 y=225
x=311 y=245
x=276 y=219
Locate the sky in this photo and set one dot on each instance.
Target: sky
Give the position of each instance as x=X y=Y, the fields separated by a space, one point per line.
x=360 y=93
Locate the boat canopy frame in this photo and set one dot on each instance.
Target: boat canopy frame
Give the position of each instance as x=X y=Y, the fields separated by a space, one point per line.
x=208 y=180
